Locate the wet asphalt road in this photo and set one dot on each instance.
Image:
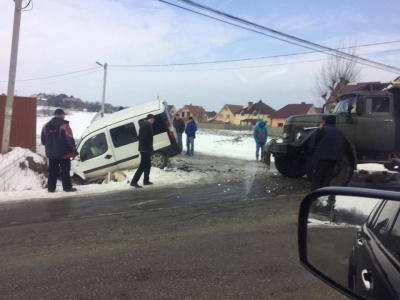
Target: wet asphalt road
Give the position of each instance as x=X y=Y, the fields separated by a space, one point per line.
x=231 y=235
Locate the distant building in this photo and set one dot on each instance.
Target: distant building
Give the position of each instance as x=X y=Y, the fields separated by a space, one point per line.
x=172 y=110
x=279 y=117
x=254 y=112
x=211 y=115
x=196 y=112
x=227 y=114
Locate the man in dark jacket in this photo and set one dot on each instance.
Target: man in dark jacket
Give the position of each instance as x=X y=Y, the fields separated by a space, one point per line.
x=60 y=148
x=179 y=125
x=329 y=150
x=145 y=149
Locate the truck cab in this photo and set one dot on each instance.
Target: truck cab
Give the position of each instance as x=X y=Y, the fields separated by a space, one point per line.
x=369 y=122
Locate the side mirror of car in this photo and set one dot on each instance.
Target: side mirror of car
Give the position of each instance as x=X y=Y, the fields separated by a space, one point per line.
x=350 y=239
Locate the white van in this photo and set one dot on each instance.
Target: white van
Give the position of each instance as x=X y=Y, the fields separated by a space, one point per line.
x=110 y=144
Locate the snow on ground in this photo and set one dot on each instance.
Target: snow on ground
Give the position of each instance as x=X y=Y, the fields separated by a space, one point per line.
x=320 y=224
x=20 y=183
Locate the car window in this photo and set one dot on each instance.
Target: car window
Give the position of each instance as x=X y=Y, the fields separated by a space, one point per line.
x=94 y=146
x=124 y=135
x=393 y=242
x=377 y=105
x=384 y=220
x=374 y=213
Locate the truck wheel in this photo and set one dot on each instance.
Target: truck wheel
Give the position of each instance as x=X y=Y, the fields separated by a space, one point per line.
x=343 y=171
x=159 y=160
x=290 y=167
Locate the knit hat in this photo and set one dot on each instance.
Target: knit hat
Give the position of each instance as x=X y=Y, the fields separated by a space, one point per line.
x=59 y=111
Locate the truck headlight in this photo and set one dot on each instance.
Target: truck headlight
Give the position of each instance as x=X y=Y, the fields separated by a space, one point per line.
x=285 y=135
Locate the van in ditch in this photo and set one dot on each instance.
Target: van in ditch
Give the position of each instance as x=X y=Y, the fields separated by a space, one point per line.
x=110 y=143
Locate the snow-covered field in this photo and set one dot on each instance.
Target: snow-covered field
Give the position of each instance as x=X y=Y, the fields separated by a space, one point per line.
x=17 y=182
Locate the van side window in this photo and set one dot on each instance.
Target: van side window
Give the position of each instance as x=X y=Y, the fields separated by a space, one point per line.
x=93 y=147
x=159 y=125
x=124 y=135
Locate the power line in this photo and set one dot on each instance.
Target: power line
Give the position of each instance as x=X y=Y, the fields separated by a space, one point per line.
x=39 y=78
x=249 y=59
x=231 y=68
x=287 y=38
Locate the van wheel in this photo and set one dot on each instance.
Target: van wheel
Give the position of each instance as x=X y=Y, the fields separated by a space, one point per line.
x=159 y=160
x=78 y=180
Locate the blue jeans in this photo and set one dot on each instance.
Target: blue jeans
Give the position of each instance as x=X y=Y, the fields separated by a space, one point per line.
x=260 y=145
x=190 y=145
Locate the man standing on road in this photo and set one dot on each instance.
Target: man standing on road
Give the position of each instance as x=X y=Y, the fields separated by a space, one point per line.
x=145 y=149
x=60 y=148
x=329 y=150
x=179 y=125
x=190 y=131
x=260 y=137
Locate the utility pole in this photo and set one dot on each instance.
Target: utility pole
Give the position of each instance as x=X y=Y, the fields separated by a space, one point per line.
x=104 y=85
x=11 y=78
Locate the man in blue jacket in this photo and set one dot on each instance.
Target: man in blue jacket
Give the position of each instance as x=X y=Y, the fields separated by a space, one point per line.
x=260 y=137
x=190 y=131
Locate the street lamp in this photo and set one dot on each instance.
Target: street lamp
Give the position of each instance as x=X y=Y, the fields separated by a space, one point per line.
x=104 y=85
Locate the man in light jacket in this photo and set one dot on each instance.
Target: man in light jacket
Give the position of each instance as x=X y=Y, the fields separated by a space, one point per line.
x=260 y=137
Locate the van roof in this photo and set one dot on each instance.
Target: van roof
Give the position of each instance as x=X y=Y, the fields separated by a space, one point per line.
x=138 y=110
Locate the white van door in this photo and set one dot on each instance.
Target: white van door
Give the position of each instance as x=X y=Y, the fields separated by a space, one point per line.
x=125 y=140
x=96 y=156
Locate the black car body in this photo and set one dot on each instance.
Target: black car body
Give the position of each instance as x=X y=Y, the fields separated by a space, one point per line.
x=374 y=265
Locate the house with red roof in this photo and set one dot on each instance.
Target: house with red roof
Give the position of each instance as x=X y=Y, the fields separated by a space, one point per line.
x=253 y=112
x=279 y=117
x=227 y=114
x=196 y=112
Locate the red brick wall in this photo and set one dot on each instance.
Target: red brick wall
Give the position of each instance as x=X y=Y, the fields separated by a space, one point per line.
x=23 y=123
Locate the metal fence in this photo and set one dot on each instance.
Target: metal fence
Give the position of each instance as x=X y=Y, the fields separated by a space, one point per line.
x=272 y=131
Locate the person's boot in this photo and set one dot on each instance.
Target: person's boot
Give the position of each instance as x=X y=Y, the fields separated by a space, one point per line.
x=257 y=159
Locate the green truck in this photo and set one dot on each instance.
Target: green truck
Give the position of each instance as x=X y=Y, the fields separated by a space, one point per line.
x=370 y=122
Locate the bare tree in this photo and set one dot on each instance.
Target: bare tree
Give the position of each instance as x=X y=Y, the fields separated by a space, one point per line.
x=336 y=73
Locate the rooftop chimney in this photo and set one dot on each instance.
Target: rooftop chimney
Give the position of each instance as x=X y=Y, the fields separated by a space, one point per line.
x=250 y=104
x=303 y=103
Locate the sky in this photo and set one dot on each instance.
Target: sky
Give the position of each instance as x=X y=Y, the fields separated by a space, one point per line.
x=60 y=42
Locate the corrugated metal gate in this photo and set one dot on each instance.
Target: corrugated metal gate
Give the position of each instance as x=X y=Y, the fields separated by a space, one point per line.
x=23 y=124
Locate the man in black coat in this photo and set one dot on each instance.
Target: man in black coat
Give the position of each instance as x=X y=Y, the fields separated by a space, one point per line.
x=60 y=148
x=179 y=125
x=145 y=149
x=329 y=150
